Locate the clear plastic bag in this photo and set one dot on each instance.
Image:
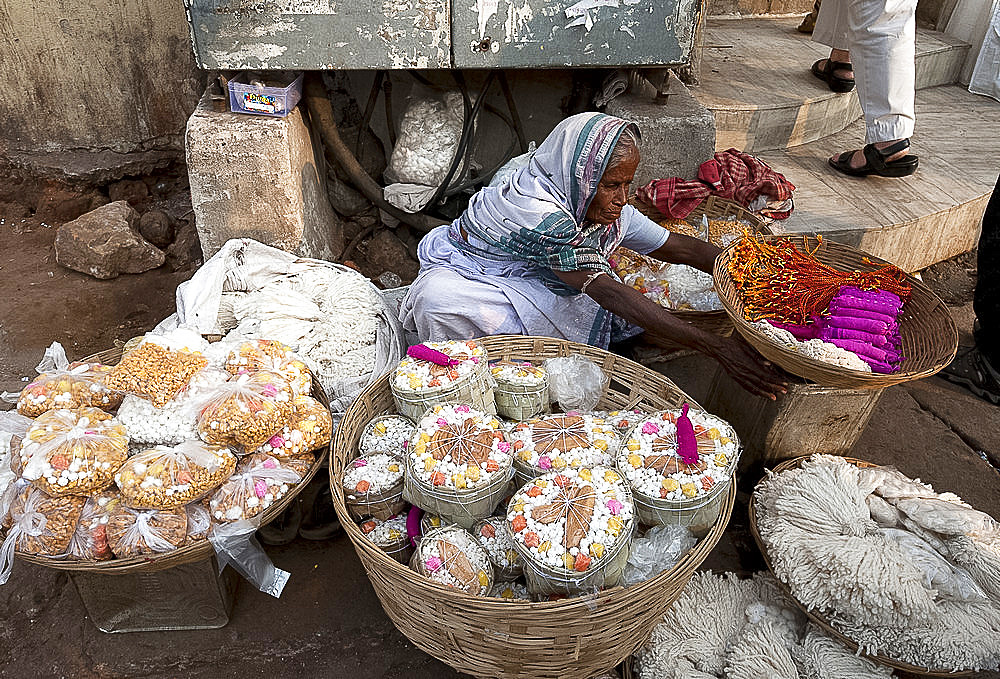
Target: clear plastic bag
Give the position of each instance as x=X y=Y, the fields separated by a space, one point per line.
x=132 y=532
x=254 y=487
x=658 y=550
x=236 y=546
x=199 y=521
x=167 y=477
x=575 y=382
x=61 y=384
x=452 y=557
x=256 y=355
x=90 y=541
x=38 y=524
x=154 y=372
x=13 y=429
x=70 y=452
x=246 y=411
x=309 y=429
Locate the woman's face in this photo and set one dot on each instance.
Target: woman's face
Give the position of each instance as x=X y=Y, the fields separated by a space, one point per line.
x=613 y=190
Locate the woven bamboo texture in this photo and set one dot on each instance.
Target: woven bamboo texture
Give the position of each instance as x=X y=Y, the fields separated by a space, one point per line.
x=488 y=637
x=715 y=322
x=929 y=335
x=818 y=617
x=197 y=551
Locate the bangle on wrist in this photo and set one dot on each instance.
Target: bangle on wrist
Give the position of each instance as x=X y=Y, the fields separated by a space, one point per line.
x=590 y=279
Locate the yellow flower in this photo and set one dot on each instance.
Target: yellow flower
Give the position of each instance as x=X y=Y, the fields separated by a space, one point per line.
x=436 y=521
x=424 y=438
x=597 y=550
x=394 y=467
x=568 y=560
x=713 y=433
x=689 y=490
x=429 y=464
x=635 y=461
x=586 y=475
x=414 y=383
x=472 y=471
x=545 y=546
x=395 y=533
x=459 y=480
x=380 y=428
x=484 y=579
x=542 y=483
x=721 y=460
x=558 y=463
x=611 y=477
x=518 y=506
x=670 y=484
x=725 y=440
x=633 y=444
x=615 y=525
x=525 y=455
x=420 y=448
x=601 y=444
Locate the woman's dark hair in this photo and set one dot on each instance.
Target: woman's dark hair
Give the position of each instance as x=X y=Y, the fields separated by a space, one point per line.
x=628 y=141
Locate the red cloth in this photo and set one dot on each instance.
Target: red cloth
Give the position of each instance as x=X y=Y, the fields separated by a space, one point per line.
x=731 y=174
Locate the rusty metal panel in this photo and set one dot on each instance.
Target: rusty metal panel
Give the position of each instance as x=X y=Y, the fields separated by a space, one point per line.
x=546 y=33
x=320 y=34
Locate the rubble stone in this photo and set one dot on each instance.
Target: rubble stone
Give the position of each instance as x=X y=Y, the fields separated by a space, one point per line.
x=157 y=227
x=105 y=243
x=58 y=203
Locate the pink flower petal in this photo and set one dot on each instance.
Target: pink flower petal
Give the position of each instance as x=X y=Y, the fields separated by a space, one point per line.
x=269 y=463
x=650 y=428
x=433 y=564
x=503 y=447
x=260 y=488
x=360 y=462
x=462 y=409
x=442 y=422
x=544 y=462
x=615 y=507
x=276 y=441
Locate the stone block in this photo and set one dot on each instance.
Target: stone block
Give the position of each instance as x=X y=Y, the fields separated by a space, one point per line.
x=677 y=136
x=256 y=177
x=105 y=243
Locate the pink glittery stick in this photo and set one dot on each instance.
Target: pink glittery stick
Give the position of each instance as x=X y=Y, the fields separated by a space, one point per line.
x=422 y=352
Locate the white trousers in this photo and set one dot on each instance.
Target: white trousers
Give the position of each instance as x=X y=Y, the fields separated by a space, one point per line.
x=881 y=36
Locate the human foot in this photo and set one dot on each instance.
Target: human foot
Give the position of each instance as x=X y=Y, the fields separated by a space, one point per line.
x=886 y=159
x=837 y=74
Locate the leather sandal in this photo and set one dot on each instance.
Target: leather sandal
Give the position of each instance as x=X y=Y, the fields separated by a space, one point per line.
x=835 y=82
x=876 y=163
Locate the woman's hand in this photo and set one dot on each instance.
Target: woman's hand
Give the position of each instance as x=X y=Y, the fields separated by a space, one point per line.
x=748 y=368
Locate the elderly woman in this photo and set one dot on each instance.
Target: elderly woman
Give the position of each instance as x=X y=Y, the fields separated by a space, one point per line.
x=530 y=256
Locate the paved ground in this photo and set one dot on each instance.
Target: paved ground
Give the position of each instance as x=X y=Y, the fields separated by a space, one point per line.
x=328 y=621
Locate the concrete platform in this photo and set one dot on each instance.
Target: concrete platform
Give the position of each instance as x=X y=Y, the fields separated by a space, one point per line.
x=759 y=105
x=915 y=221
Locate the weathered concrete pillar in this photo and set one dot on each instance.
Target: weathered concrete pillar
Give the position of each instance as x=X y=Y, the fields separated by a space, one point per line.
x=677 y=136
x=257 y=177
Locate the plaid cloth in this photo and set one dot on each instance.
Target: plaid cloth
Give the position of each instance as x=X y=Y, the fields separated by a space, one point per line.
x=731 y=174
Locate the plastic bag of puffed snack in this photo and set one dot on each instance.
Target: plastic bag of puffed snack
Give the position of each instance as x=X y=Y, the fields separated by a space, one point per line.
x=73 y=452
x=167 y=477
x=38 y=524
x=61 y=384
x=256 y=355
x=90 y=541
x=575 y=382
x=246 y=411
x=309 y=428
x=260 y=481
x=154 y=371
x=199 y=521
x=132 y=532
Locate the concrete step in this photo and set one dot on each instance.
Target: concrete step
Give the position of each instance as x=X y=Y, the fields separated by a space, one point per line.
x=915 y=221
x=755 y=78
x=749 y=8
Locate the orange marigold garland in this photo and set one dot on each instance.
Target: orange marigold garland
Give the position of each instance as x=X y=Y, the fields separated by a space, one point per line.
x=782 y=283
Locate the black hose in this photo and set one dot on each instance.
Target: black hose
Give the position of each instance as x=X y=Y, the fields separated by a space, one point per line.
x=390 y=122
x=512 y=107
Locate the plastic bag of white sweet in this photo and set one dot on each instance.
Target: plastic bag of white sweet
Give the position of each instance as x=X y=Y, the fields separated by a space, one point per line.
x=330 y=315
x=177 y=420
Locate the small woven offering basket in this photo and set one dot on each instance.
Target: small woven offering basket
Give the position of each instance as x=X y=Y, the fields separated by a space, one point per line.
x=199 y=550
x=817 y=617
x=716 y=322
x=503 y=638
x=929 y=335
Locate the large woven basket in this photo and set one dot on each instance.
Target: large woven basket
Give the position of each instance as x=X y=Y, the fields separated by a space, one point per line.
x=197 y=551
x=819 y=618
x=715 y=322
x=489 y=637
x=930 y=338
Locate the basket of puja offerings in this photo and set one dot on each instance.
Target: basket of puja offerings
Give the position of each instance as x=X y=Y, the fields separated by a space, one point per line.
x=831 y=314
x=373 y=486
x=451 y=556
x=492 y=535
x=390 y=536
x=458 y=465
x=443 y=372
x=885 y=564
x=522 y=389
x=726 y=220
x=562 y=441
x=572 y=529
x=107 y=513
x=679 y=465
x=386 y=434
x=499 y=633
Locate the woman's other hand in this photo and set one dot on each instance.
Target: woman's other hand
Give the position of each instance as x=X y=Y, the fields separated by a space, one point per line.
x=748 y=368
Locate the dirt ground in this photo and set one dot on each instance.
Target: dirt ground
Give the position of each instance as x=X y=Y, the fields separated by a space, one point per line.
x=328 y=620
